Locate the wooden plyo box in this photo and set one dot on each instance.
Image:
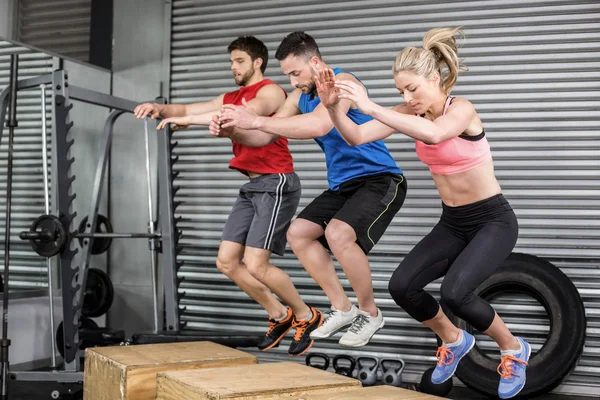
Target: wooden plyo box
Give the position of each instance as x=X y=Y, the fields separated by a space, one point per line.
x=129 y=372
x=285 y=380
x=373 y=393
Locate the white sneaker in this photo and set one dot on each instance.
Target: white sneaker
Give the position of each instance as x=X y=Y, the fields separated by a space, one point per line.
x=334 y=322
x=363 y=329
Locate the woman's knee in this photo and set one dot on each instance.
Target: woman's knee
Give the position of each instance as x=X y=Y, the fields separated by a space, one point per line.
x=456 y=297
x=399 y=288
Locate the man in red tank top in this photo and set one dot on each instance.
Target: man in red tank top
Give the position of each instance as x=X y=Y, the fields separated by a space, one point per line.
x=262 y=213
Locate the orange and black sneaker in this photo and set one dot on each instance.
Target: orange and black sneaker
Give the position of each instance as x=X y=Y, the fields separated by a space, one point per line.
x=302 y=341
x=276 y=332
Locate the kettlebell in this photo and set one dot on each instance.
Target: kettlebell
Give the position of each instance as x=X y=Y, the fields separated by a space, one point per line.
x=346 y=371
x=367 y=374
x=392 y=371
x=426 y=386
x=318 y=356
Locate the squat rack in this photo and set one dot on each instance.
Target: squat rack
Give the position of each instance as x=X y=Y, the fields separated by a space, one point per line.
x=72 y=264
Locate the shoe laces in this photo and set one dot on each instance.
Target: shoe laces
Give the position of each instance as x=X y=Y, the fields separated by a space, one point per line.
x=330 y=314
x=505 y=369
x=300 y=328
x=444 y=355
x=272 y=324
x=360 y=321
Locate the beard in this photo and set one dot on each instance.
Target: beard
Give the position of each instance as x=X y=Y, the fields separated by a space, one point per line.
x=308 y=89
x=244 y=78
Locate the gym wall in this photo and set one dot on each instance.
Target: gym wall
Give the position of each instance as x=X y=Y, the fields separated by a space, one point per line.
x=7 y=13
x=56 y=26
x=534 y=79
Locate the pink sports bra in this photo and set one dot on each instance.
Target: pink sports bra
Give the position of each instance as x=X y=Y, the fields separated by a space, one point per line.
x=455 y=155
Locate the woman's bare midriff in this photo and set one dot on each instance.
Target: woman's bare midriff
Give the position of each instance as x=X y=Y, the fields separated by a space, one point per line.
x=468 y=187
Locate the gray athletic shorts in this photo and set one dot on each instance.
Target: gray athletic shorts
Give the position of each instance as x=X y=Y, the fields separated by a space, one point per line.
x=263 y=212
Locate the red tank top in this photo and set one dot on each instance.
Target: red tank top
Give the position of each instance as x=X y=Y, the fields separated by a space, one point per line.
x=274 y=158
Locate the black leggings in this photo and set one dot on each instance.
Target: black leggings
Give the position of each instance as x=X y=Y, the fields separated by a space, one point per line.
x=467 y=245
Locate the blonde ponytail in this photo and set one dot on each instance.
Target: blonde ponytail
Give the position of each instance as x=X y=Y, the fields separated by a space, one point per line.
x=439 y=53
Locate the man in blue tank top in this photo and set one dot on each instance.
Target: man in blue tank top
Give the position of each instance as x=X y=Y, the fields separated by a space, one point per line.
x=366 y=190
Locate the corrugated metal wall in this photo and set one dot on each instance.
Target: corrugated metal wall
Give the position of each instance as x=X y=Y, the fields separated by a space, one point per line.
x=535 y=80
x=61 y=27
x=28 y=270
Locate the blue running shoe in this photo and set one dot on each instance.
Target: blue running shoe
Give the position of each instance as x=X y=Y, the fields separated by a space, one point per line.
x=512 y=371
x=449 y=357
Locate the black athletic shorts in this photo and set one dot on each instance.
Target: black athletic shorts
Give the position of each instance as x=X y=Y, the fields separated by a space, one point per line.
x=367 y=203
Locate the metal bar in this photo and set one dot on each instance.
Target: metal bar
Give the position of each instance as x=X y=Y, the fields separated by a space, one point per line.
x=151 y=225
x=45 y=150
x=48 y=376
x=47 y=209
x=97 y=188
x=101 y=99
x=3 y=107
x=33 y=82
x=47 y=235
x=12 y=124
x=168 y=256
x=62 y=197
x=86 y=250
x=118 y=235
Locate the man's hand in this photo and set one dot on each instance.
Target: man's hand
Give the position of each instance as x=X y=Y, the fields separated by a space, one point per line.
x=145 y=109
x=242 y=117
x=357 y=94
x=216 y=129
x=326 y=89
x=178 y=123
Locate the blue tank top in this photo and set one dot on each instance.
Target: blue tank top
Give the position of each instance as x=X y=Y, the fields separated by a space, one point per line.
x=345 y=162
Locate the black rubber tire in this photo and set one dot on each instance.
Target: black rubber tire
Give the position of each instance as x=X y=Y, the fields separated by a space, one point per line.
x=542 y=280
x=426 y=386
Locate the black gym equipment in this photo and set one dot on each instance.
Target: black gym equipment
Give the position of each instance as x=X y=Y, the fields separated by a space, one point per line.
x=90 y=335
x=230 y=339
x=99 y=244
x=343 y=369
x=85 y=324
x=322 y=360
x=550 y=365
x=99 y=294
x=47 y=236
x=442 y=390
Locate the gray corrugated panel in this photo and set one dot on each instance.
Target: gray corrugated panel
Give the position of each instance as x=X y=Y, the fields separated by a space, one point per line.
x=534 y=80
x=62 y=27
x=28 y=270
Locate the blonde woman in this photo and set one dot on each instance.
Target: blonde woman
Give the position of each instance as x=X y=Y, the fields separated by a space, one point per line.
x=478 y=228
